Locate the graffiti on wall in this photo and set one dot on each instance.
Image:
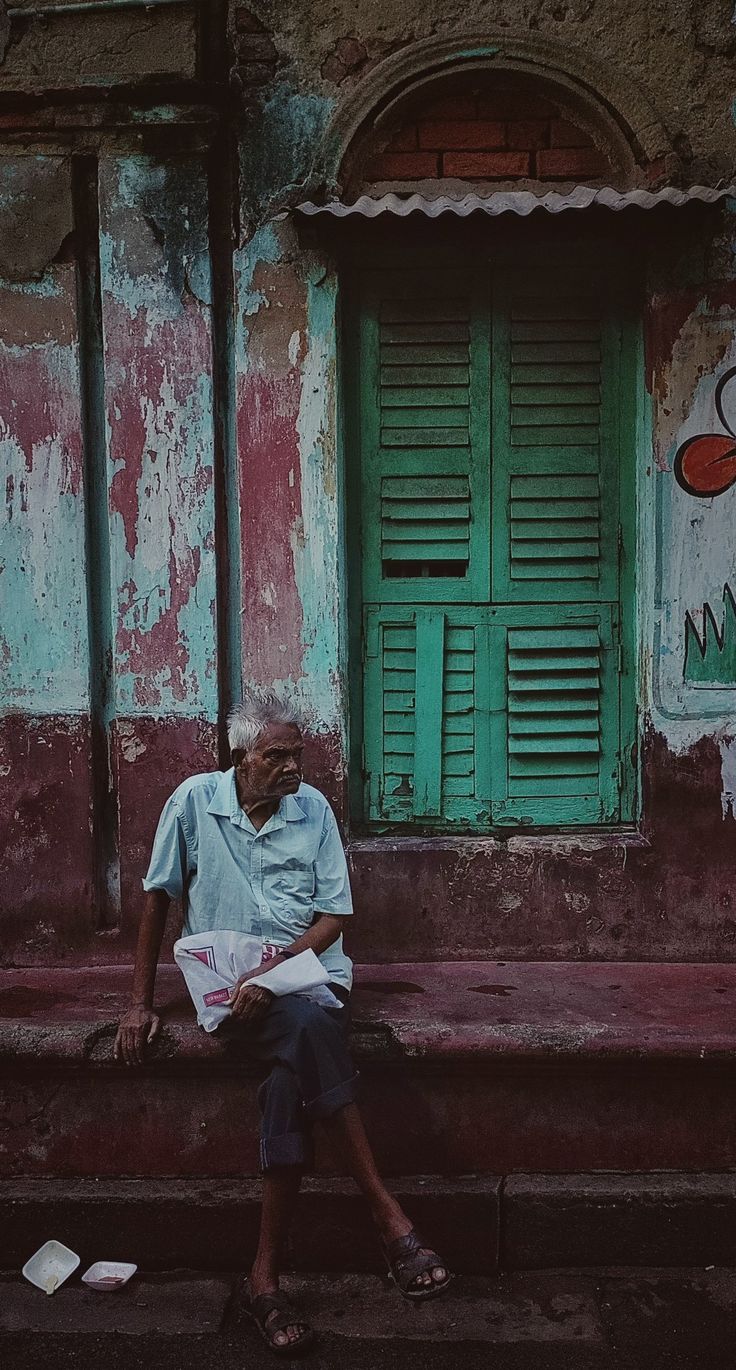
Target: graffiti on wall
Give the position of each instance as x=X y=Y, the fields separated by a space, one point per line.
x=710 y=652
x=705 y=465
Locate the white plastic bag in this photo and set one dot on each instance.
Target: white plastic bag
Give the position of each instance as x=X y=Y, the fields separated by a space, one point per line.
x=212 y=962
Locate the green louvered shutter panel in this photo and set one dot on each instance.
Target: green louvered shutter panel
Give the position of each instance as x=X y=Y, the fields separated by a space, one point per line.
x=555 y=744
x=424 y=398
x=490 y=455
x=555 y=440
x=426 y=735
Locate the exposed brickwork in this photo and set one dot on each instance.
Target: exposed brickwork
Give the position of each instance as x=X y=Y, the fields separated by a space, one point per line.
x=485 y=165
x=256 y=55
x=348 y=55
x=462 y=133
x=408 y=166
x=507 y=133
x=566 y=162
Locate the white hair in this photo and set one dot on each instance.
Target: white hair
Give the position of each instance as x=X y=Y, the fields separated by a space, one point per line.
x=259 y=709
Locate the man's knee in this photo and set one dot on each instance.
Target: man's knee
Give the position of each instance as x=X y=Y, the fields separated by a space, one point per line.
x=311 y=1021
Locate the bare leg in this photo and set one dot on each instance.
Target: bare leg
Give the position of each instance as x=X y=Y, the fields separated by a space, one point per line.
x=346 y=1132
x=280 y=1192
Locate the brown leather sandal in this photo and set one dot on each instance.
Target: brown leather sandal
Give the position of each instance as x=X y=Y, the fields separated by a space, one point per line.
x=409 y=1257
x=261 y=1308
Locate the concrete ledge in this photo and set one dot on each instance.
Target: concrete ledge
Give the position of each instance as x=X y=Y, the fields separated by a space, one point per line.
x=466 y=1068
x=208 y=1224
x=599 y=1220
x=480 y=1223
x=535 y=1012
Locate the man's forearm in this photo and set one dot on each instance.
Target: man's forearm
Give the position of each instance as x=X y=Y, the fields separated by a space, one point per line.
x=150 y=937
x=323 y=932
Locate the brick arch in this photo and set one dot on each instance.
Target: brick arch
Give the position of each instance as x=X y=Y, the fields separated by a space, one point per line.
x=611 y=121
x=485 y=127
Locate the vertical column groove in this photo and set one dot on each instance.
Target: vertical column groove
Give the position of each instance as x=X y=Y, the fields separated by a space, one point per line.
x=106 y=894
x=222 y=183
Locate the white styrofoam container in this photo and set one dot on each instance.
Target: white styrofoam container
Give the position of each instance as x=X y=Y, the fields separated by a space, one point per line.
x=108 y=1275
x=48 y=1267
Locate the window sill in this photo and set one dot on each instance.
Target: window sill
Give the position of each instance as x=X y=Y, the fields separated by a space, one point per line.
x=626 y=839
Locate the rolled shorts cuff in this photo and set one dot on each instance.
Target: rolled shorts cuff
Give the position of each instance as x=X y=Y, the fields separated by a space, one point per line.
x=290 y=1148
x=346 y=1092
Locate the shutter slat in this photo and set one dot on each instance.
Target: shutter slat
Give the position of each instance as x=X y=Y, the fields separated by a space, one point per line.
x=557 y=723
x=424 y=332
x=570 y=659
x=574 y=374
x=566 y=745
x=447 y=416
x=549 y=354
x=542 y=392
x=424 y=437
x=424 y=396
x=428 y=508
x=560 y=415
x=410 y=545
x=569 y=529
x=559 y=435
x=555 y=330
x=416 y=530
x=550 y=549
x=429 y=373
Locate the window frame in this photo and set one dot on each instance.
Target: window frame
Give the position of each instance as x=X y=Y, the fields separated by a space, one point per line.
x=437 y=246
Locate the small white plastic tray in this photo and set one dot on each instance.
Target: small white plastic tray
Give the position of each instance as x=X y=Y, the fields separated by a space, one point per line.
x=108 y=1275
x=48 y=1267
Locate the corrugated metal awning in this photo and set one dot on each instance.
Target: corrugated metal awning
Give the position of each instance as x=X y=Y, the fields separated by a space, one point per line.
x=516 y=202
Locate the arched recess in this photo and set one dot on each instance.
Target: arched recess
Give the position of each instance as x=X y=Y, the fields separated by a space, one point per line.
x=491 y=439
x=614 y=115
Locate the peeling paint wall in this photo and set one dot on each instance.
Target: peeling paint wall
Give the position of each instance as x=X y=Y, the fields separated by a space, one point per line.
x=219 y=387
x=43 y=632
x=692 y=335
x=293 y=582
x=150 y=461
x=44 y=671
x=158 y=399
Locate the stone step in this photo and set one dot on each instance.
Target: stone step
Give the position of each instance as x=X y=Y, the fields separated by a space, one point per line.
x=470 y=1067
x=615 y=1319
x=480 y=1224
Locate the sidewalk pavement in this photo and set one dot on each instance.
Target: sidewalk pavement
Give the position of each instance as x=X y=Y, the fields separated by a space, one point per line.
x=553 y=1320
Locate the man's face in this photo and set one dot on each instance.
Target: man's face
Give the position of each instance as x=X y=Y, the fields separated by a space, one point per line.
x=274 y=767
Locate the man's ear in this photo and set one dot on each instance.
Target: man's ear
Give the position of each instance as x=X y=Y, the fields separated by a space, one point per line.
x=237 y=756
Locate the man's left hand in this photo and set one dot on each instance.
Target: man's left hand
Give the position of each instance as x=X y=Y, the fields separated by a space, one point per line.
x=247 y=1002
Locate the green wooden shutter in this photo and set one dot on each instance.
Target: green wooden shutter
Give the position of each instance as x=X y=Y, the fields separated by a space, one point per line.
x=556 y=747
x=554 y=453
x=426 y=731
x=491 y=696
x=424 y=378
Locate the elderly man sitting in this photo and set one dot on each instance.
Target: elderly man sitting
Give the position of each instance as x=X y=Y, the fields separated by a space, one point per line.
x=255 y=850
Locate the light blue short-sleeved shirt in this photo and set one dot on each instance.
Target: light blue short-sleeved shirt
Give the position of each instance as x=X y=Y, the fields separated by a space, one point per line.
x=269 y=883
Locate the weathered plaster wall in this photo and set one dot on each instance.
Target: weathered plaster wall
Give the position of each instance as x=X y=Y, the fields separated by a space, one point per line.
x=691 y=325
x=293 y=582
x=156 y=316
x=44 y=736
x=158 y=362
x=679 y=51
x=669 y=895
x=78 y=49
x=155 y=543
